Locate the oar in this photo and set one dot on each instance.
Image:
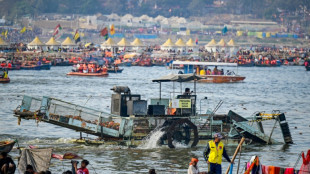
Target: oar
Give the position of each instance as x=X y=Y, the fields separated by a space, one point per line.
x=235 y=154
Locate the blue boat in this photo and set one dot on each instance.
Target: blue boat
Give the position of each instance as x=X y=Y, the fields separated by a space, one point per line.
x=36 y=67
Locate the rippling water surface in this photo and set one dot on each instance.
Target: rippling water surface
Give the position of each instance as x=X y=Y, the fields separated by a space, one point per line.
x=264 y=89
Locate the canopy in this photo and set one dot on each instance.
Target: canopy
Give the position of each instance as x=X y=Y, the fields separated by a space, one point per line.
x=211 y=43
x=231 y=43
x=203 y=63
x=68 y=42
x=36 y=42
x=137 y=43
x=52 y=42
x=221 y=43
x=190 y=43
x=109 y=42
x=180 y=43
x=177 y=78
x=2 y=42
x=168 y=43
x=123 y=43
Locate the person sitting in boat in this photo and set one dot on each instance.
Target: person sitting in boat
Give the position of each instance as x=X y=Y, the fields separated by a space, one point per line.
x=39 y=63
x=3 y=64
x=193 y=167
x=209 y=72
x=9 y=65
x=85 y=69
x=215 y=71
x=7 y=165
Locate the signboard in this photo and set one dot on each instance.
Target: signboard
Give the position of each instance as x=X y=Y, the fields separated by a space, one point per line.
x=181 y=103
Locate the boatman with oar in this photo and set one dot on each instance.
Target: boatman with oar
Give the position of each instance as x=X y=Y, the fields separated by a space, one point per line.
x=213 y=154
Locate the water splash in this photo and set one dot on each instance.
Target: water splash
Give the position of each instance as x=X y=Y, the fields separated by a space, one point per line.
x=152 y=140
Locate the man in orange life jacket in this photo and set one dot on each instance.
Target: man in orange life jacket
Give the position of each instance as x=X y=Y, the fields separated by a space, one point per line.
x=214 y=152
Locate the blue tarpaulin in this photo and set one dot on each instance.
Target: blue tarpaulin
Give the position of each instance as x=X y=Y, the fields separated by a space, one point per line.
x=145 y=36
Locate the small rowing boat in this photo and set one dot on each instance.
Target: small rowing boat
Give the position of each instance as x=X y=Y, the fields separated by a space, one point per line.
x=4 y=80
x=6 y=146
x=36 y=67
x=101 y=74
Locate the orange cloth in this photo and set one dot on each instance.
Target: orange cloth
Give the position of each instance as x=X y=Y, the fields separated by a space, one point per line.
x=194 y=160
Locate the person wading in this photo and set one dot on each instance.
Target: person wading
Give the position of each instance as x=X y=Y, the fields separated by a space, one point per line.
x=214 y=152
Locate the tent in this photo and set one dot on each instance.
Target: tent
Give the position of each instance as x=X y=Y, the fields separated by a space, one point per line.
x=221 y=45
x=233 y=47
x=191 y=45
x=36 y=44
x=211 y=46
x=3 y=43
x=137 y=44
x=53 y=44
x=68 y=43
x=180 y=44
x=169 y=45
x=109 y=44
x=123 y=44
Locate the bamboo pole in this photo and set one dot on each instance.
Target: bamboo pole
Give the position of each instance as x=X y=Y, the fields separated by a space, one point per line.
x=235 y=154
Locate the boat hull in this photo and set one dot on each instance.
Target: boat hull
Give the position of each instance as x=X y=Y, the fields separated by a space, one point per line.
x=4 y=80
x=220 y=79
x=37 y=67
x=88 y=74
x=112 y=70
x=6 y=146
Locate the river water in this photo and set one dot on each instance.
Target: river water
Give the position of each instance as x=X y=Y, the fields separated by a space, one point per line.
x=264 y=89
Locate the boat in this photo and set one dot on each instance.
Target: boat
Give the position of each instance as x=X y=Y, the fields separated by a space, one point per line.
x=115 y=70
x=101 y=74
x=5 y=80
x=190 y=67
x=308 y=68
x=36 y=67
x=132 y=120
x=62 y=62
x=245 y=63
x=6 y=146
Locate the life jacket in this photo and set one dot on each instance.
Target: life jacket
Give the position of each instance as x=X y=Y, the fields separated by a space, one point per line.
x=216 y=153
x=9 y=65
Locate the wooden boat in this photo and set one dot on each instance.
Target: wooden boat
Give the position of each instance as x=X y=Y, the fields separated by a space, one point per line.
x=4 y=80
x=221 y=79
x=115 y=70
x=190 y=67
x=6 y=146
x=36 y=67
x=102 y=74
x=250 y=64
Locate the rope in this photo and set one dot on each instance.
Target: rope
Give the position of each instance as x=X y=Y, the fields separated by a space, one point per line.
x=299 y=156
x=93 y=168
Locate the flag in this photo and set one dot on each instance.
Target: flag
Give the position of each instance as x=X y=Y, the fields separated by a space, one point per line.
x=6 y=34
x=196 y=41
x=112 y=30
x=77 y=37
x=23 y=30
x=224 y=30
x=57 y=29
x=104 y=33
